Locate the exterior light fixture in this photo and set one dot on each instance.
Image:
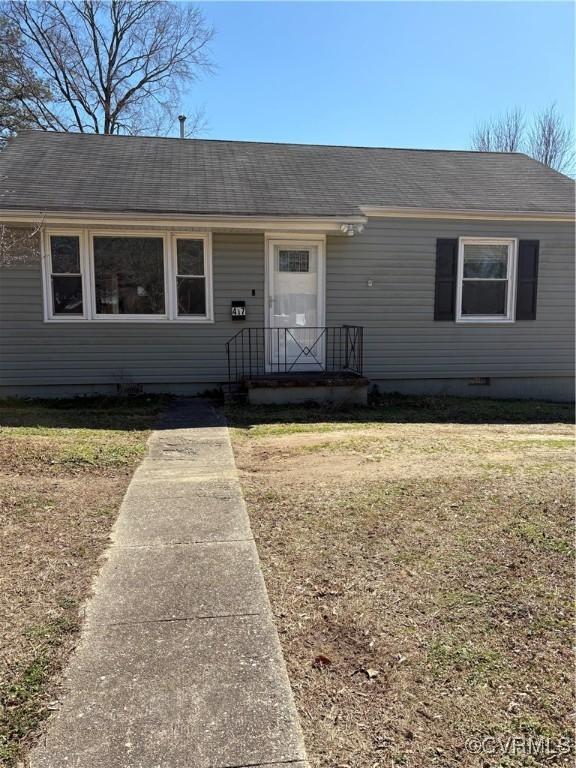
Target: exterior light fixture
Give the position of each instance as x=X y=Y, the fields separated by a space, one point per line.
x=351 y=229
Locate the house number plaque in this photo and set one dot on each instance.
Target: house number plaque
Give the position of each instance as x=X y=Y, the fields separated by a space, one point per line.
x=238 y=310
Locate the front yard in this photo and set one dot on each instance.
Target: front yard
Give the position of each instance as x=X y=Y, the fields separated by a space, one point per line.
x=418 y=556
x=64 y=467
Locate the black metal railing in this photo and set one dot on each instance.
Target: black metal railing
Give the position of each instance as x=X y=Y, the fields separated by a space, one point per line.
x=256 y=352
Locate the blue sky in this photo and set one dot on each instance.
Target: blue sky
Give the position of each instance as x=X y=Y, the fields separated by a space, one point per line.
x=417 y=74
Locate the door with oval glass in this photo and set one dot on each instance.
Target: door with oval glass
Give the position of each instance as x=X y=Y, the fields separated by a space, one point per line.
x=295 y=335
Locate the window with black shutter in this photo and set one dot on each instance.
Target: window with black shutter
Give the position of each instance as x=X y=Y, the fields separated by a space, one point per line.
x=486 y=280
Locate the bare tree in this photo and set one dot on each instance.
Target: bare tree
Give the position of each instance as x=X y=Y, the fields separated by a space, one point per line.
x=510 y=129
x=551 y=141
x=16 y=81
x=19 y=245
x=501 y=134
x=547 y=138
x=111 y=67
x=483 y=138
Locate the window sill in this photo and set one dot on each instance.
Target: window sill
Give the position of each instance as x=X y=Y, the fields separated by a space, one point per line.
x=485 y=320
x=142 y=320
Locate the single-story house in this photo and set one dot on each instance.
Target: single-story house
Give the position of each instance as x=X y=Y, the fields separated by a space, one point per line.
x=180 y=265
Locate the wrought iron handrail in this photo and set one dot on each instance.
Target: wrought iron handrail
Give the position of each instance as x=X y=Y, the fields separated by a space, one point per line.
x=258 y=351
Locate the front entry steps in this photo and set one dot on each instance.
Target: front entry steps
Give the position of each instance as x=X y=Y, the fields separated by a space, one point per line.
x=276 y=389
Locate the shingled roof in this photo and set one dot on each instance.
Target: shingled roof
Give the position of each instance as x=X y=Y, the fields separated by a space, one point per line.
x=86 y=172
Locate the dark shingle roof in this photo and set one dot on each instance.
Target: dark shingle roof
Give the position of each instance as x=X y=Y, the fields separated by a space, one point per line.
x=72 y=171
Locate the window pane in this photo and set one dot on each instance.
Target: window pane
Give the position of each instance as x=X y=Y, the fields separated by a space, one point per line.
x=486 y=261
x=293 y=261
x=191 y=296
x=129 y=275
x=67 y=295
x=65 y=250
x=484 y=297
x=190 y=257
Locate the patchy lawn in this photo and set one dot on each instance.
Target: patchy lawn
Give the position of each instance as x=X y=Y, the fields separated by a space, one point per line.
x=64 y=467
x=418 y=556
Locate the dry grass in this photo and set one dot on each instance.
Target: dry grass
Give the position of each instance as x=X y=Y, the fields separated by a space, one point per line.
x=424 y=548
x=64 y=467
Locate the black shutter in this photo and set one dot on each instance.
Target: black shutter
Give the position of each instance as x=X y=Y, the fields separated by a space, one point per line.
x=446 y=266
x=527 y=280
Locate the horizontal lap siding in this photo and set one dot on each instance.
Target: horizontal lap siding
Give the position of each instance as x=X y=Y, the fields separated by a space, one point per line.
x=33 y=352
x=401 y=338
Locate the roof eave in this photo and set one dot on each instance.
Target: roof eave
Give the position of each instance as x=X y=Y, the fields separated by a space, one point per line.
x=197 y=221
x=471 y=214
x=268 y=223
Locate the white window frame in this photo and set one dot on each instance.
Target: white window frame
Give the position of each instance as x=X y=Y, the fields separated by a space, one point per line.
x=127 y=318
x=207 y=250
x=509 y=316
x=86 y=237
x=47 y=273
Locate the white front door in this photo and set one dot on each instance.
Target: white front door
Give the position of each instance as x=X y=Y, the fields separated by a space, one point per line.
x=295 y=341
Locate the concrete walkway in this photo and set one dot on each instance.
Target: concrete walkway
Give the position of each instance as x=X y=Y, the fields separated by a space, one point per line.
x=179 y=664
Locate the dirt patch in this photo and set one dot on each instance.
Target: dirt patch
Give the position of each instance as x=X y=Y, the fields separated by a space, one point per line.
x=401 y=451
x=424 y=596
